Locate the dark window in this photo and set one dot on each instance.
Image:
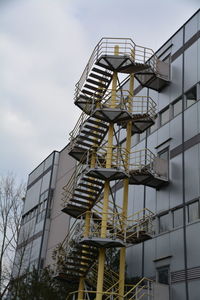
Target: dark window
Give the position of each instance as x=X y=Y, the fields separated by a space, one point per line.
x=164 y=154
x=164 y=117
x=177 y=107
x=193 y=211
x=191 y=96
x=163 y=223
x=177 y=217
x=163 y=275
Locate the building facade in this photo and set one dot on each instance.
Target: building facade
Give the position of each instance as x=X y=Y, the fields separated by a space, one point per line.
x=171 y=256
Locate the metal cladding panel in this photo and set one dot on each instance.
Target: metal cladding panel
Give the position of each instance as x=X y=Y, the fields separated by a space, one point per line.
x=178 y=291
x=175 y=128
x=176 y=245
x=138 y=198
x=191 y=122
x=177 y=41
x=149 y=256
x=176 y=78
x=190 y=67
x=191 y=27
x=150 y=199
x=164 y=98
x=152 y=141
x=163 y=199
x=176 y=182
x=193 y=244
x=194 y=289
x=32 y=196
x=35 y=250
x=163 y=246
x=192 y=173
x=163 y=133
x=45 y=182
x=198 y=60
x=134 y=261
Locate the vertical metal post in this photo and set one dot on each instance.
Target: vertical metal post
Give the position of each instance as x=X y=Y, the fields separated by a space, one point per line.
x=122 y=263
x=101 y=260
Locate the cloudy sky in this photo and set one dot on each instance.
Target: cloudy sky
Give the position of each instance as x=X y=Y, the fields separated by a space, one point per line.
x=44 y=46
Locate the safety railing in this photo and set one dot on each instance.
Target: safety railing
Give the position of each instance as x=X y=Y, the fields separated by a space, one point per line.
x=69 y=188
x=75 y=132
x=126 y=47
x=141 y=221
x=143 y=289
x=144 y=105
x=117 y=156
x=62 y=250
x=141 y=160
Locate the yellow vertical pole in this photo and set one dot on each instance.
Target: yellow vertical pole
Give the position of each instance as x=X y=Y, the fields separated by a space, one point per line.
x=122 y=263
x=101 y=260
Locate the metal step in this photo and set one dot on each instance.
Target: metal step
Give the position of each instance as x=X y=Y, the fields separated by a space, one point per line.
x=98 y=136
x=90 y=187
x=107 y=80
x=86 y=192
x=92 y=141
x=84 y=144
x=94 y=181
x=101 y=72
x=93 y=88
x=83 y=204
x=83 y=197
x=98 y=83
x=96 y=128
x=98 y=123
x=92 y=94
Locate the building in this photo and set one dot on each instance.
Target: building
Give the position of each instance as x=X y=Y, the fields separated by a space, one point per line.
x=170 y=188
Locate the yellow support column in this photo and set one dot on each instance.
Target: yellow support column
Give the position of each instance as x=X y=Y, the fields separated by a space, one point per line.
x=122 y=264
x=101 y=260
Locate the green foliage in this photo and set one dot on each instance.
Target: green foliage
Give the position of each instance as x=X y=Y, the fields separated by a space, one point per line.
x=36 y=285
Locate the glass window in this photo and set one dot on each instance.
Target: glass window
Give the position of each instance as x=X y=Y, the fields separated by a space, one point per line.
x=163 y=223
x=163 y=275
x=177 y=217
x=191 y=96
x=164 y=154
x=177 y=107
x=193 y=211
x=164 y=117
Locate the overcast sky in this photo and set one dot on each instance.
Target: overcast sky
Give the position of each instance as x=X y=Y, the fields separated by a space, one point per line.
x=44 y=46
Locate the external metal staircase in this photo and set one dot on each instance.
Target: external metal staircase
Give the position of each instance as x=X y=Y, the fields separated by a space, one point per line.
x=100 y=223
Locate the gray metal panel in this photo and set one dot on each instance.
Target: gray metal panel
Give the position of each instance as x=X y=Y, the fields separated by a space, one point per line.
x=134 y=260
x=191 y=122
x=175 y=127
x=163 y=197
x=191 y=27
x=32 y=196
x=149 y=256
x=178 y=291
x=152 y=141
x=163 y=133
x=190 y=61
x=198 y=60
x=177 y=41
x=175 y=186
x=176 y=78
x=151 y=198
x=194 y=289
x=164 y=98
x=163 y=245
x=193 y=244
x=45 y=182
x=191 y=173
x=176 y=245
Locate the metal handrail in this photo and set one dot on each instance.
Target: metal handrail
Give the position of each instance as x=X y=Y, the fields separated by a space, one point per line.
x=140 y=159
x=106 y=46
